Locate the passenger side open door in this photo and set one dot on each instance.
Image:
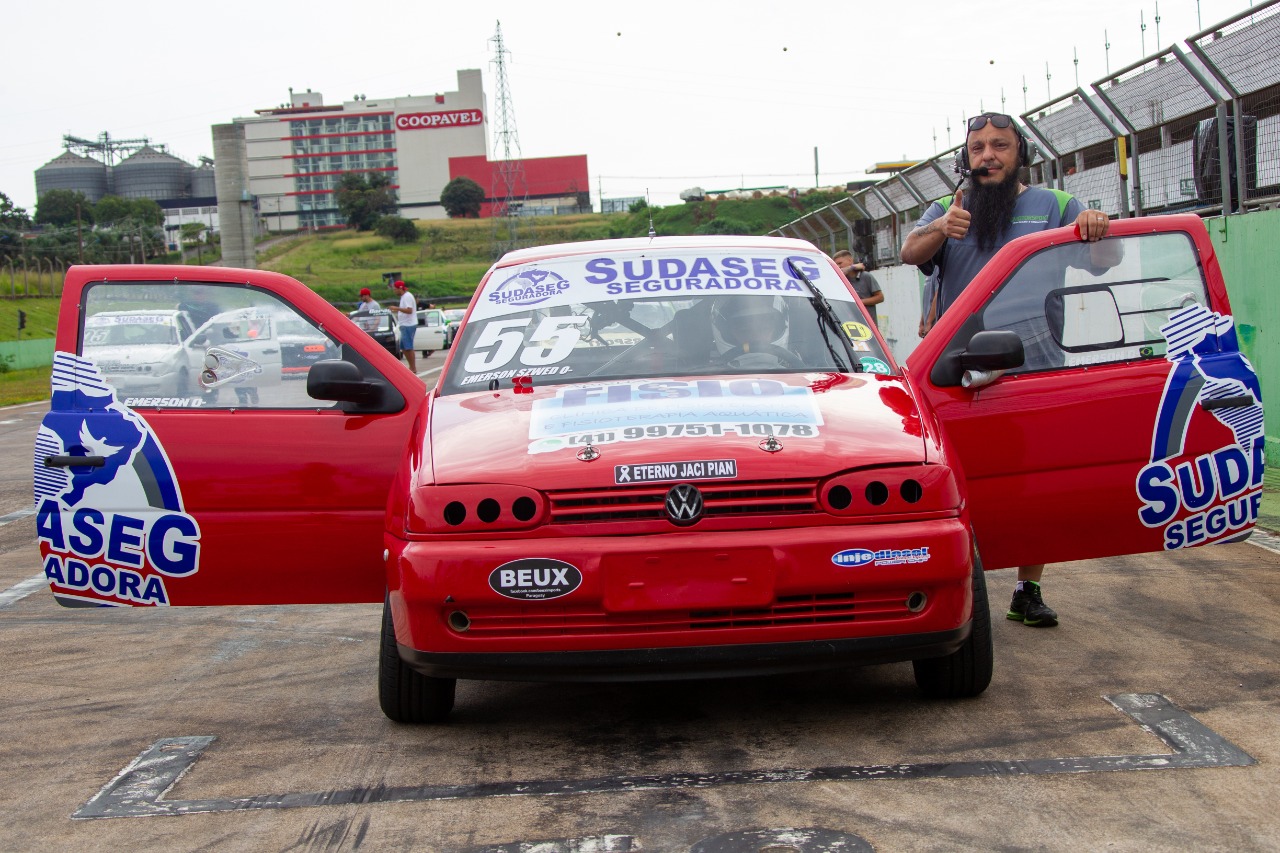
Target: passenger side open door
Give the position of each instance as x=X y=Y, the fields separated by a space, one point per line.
x=1133 y=422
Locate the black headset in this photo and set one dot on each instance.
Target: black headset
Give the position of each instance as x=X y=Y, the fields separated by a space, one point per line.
x=962 y=155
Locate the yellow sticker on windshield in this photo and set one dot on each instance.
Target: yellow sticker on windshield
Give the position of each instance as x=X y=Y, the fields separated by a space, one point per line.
x=856 y=331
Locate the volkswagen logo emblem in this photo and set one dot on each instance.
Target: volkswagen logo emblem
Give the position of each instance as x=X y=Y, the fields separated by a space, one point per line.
x=684 y=504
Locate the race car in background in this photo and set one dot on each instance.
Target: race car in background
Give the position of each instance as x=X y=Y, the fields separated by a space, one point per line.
x=674 y=458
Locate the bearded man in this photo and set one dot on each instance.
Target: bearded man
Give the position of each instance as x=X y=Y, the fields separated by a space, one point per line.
x=970 y=229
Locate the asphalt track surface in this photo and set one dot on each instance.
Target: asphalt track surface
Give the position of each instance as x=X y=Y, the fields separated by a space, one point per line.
x=1146 y=721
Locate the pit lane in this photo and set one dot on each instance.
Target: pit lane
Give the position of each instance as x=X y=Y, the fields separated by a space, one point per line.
x=258 y=729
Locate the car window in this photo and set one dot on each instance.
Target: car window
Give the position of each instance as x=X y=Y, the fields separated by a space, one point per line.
x=627 y=316
x=201 y=346
x=1071 y=311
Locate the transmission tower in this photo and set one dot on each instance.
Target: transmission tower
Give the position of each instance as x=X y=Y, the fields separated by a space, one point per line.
x=509 y=190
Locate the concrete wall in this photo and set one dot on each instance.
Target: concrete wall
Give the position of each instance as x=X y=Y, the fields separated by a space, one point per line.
x=236 y=215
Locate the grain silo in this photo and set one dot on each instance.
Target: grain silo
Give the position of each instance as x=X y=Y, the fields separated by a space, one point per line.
x=202 y=181
x=70 y=171
x=149 y=173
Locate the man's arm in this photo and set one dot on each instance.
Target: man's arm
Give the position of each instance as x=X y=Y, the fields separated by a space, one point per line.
x=935 y=228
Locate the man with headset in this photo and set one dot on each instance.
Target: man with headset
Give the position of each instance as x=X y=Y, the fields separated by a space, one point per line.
x=963 y=235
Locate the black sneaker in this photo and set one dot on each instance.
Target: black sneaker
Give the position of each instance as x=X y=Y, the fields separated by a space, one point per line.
x=1029 y=608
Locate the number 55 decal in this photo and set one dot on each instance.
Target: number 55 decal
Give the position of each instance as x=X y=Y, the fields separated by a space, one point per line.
x=499 y=341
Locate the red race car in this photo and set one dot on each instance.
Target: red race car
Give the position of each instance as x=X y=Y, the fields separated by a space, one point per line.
x=662 y=458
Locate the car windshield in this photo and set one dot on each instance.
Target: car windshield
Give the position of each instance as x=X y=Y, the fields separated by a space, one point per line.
x=108 y=330
x=453 y=315
x=677 y=313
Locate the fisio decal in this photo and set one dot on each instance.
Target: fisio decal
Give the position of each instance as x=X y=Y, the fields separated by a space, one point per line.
x=113 y=534
x=529 y=287
x=1211 y=497
x=854 y=557
x=534 y=579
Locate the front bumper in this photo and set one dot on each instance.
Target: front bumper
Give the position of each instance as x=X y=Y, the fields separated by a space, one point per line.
x=687 y=662
x=706 y=603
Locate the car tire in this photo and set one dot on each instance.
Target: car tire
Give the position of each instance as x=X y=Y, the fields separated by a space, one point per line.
x=426 y=352
x=406 y=695
x=967 y=671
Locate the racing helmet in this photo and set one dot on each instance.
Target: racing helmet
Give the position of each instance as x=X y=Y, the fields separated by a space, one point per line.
x=753 y=320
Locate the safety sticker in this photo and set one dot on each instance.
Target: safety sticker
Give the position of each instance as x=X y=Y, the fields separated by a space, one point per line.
x=856 y=331
x=870 y=364
x=656 y=472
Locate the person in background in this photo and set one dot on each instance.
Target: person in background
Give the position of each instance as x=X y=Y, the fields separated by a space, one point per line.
x=367 y=302
x=407 y=317
x=975 y=224
x=864 y=283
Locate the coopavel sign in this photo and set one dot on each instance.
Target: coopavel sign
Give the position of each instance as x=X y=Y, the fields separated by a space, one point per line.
x=447 y=118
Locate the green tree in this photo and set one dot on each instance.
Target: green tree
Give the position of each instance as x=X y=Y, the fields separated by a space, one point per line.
x=462 y=198
x=12 y=216
x=397 y=228
x=59 y=207
x=363 y=197
x=112 y=210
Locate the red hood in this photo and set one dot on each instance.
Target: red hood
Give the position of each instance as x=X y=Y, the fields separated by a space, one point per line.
x=484 y=437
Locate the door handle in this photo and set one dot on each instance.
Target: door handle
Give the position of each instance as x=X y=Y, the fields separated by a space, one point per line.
x=270 y=351
x=1237 y=402
x=74 y=461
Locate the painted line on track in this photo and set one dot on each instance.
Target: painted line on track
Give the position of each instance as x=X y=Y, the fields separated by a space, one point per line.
x=16 y=516
x=139 y=789
x=22 y=589
x=1264 y=539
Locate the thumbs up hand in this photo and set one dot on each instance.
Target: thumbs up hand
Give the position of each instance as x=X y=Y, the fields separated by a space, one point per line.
x=955 y=221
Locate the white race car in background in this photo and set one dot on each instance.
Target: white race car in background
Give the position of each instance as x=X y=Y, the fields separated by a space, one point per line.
x=143 y=352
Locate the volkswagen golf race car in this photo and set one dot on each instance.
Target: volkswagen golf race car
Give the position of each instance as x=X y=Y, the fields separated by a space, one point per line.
x=669 y=458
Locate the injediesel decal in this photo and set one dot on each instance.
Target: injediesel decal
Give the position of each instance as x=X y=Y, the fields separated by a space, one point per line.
x=657 y=472
x=534 y=579
x=884 y=557
x=1208 y=498
x=114 y=532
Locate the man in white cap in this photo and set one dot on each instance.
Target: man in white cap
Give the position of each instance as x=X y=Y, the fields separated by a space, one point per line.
x=407 y=317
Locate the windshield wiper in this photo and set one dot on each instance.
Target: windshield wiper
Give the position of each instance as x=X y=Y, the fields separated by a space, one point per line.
x=827 y=319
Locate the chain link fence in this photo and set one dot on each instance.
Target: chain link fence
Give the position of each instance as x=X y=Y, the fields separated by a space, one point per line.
x=1147 y=139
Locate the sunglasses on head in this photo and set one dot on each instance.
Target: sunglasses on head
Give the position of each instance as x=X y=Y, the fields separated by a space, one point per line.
x=997 y=120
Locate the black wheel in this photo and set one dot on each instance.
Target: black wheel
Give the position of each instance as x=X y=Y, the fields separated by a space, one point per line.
x=966 y=671
x=406 y=695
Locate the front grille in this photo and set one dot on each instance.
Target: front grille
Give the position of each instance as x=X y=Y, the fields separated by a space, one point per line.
x=788 y=611
x=720 y=499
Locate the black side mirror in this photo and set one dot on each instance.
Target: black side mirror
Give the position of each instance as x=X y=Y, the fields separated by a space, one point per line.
x=993 y=350
x=341 y=380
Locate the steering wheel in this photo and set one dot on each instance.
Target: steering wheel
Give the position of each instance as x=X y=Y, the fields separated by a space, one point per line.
x=784 y=356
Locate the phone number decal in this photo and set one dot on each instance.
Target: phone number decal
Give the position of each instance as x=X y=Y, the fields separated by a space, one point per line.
x=658 y=431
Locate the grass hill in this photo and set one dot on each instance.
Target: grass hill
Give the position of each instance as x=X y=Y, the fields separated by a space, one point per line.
x=450 y=256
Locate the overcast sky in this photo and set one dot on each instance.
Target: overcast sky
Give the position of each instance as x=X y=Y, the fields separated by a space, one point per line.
x=660 y=95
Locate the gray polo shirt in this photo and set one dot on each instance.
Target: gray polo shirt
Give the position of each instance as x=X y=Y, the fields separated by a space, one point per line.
x=866 y=285
x=1036 y=209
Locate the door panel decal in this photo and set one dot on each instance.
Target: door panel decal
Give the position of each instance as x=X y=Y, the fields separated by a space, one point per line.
x=1213 y=496
x=110 y=520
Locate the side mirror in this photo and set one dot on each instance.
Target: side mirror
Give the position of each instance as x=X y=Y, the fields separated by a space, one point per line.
x=993 y=350
x=340 y=380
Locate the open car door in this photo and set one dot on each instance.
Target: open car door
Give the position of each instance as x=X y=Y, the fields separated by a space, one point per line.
x=1133 y=422
x=225 y=480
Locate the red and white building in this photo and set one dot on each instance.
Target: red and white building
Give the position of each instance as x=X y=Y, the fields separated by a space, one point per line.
x=297 y=153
